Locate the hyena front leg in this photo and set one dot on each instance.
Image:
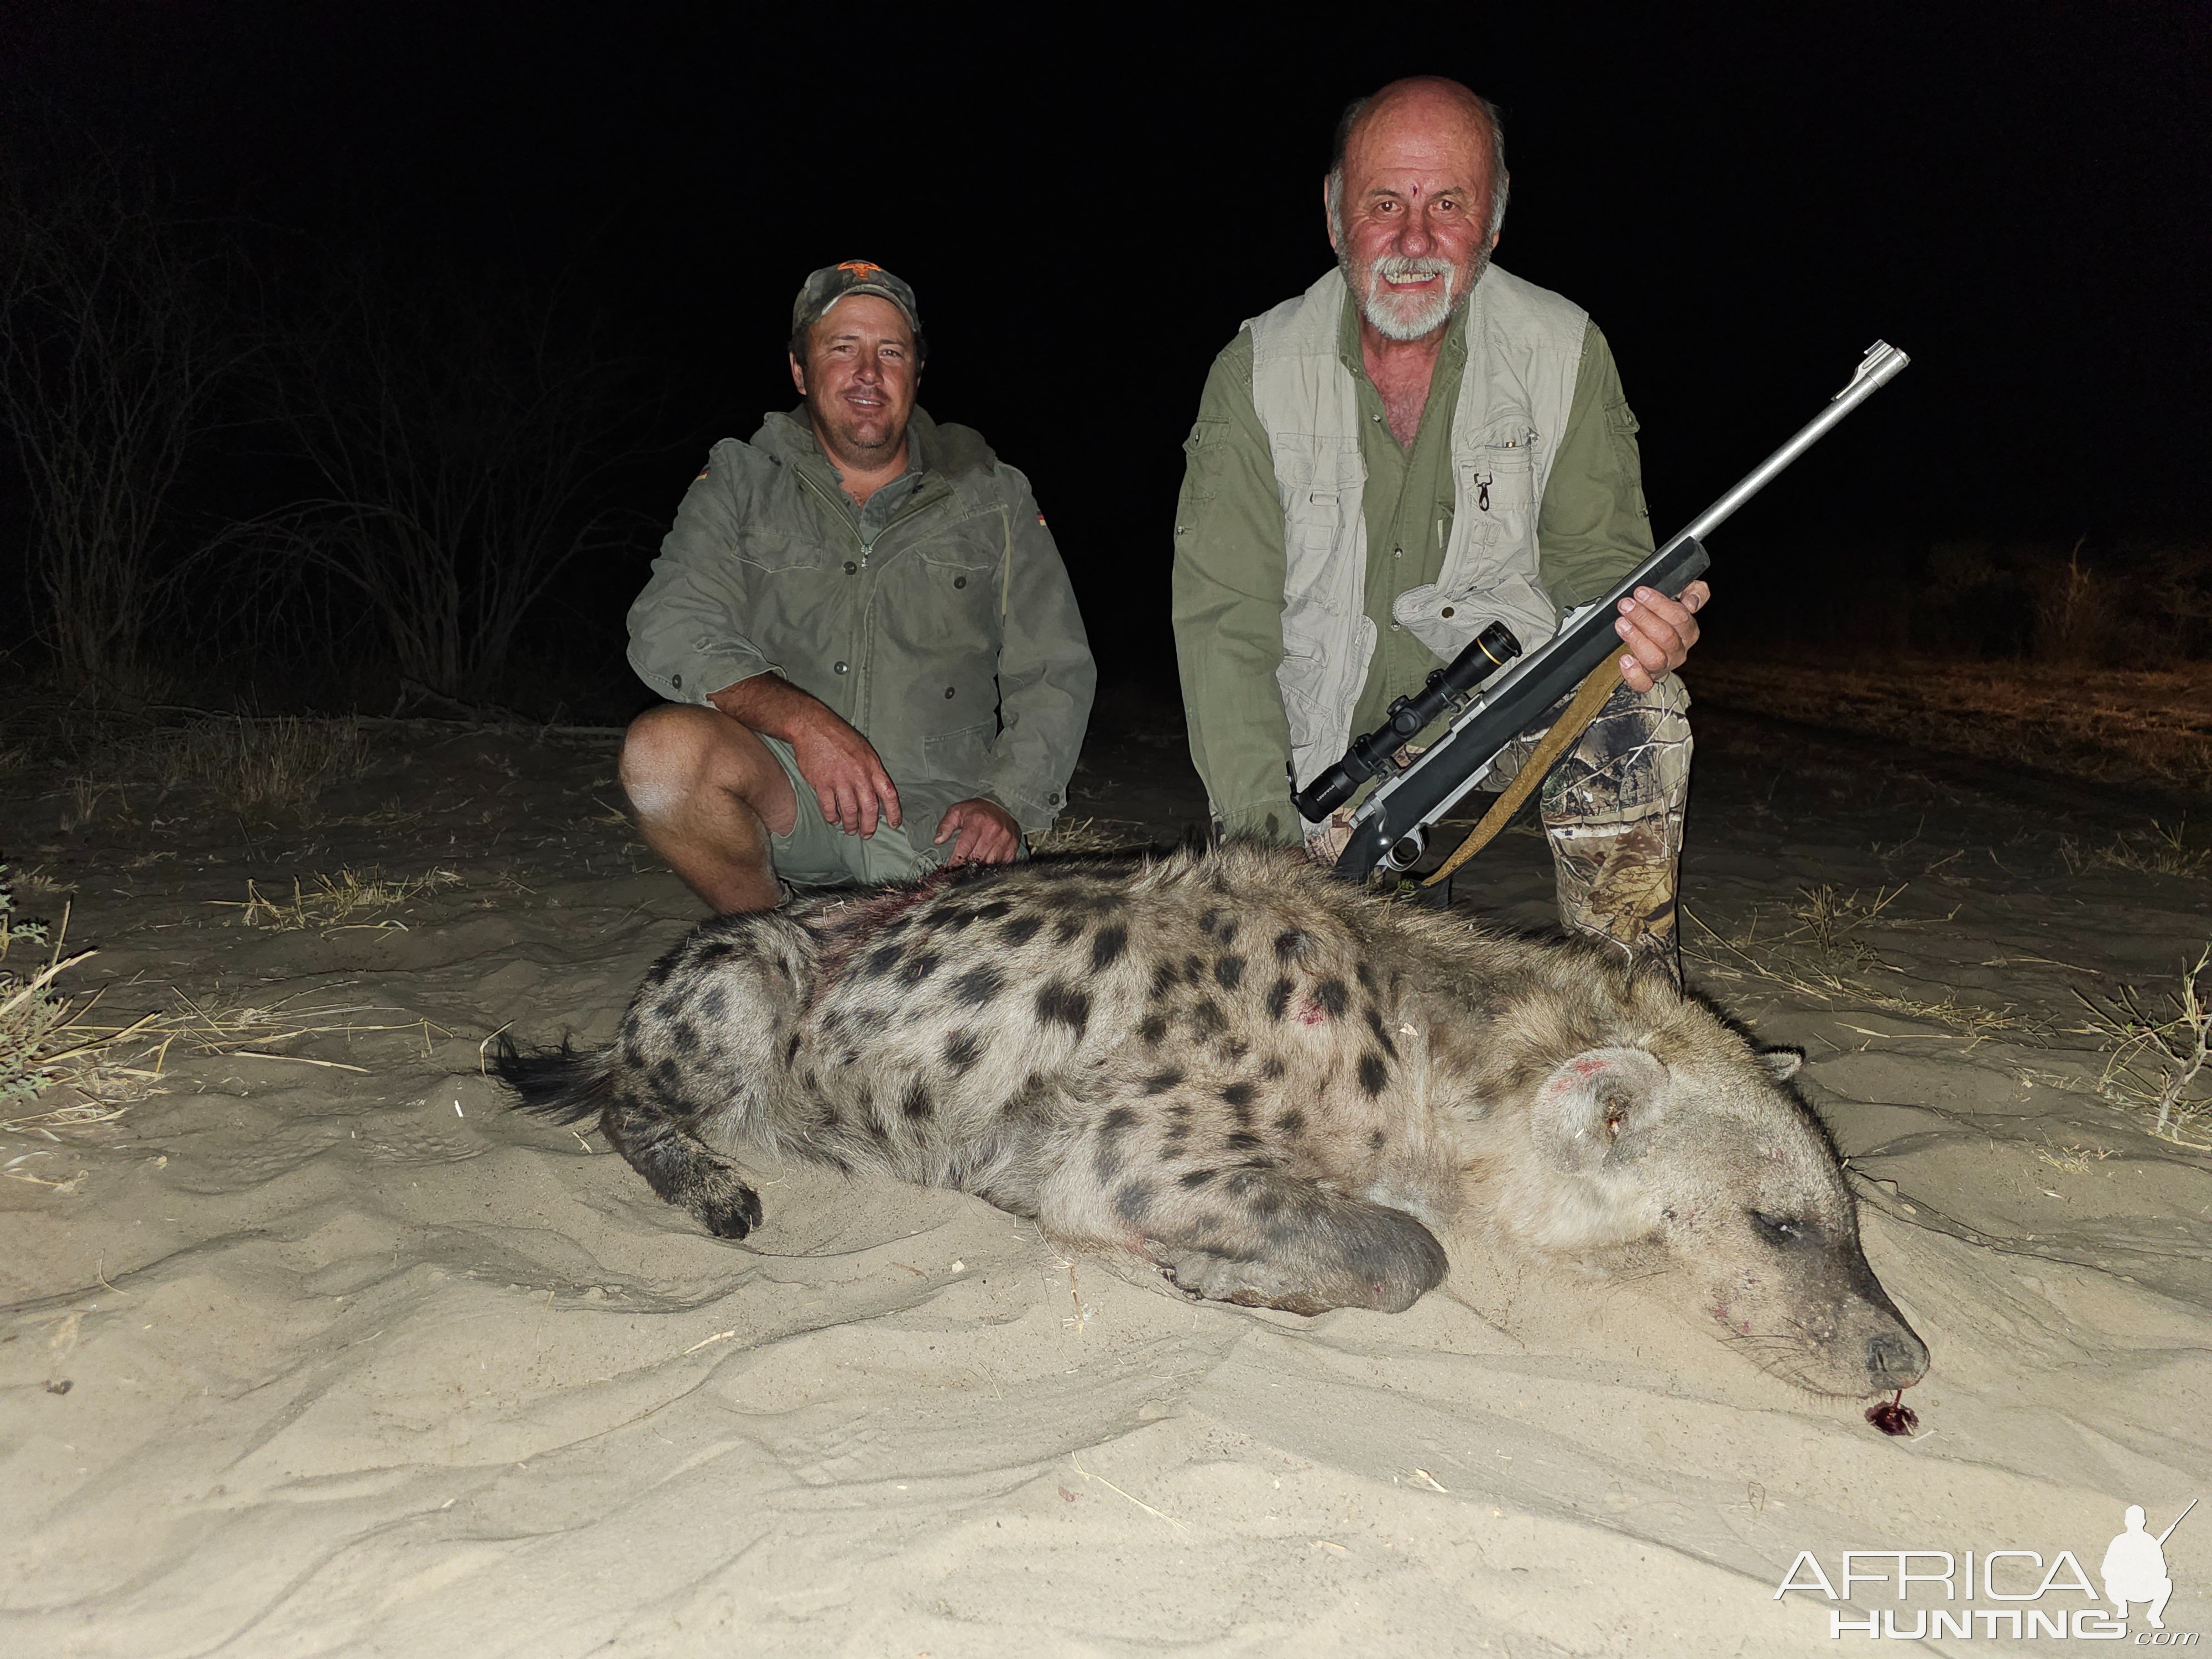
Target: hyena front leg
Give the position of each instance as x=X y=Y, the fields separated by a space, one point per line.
x=680 y=1167
x=1240 y=1228
x=1263 y=1238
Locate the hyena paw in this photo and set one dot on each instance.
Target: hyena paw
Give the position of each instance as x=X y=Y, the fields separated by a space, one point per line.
x=730 y=1210
x=1207 y=1275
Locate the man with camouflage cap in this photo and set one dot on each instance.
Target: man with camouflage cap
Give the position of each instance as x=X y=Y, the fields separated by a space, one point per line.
x=873 y=657
x=1419 y=446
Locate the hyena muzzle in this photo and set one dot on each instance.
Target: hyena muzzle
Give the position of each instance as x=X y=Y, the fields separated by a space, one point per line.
x=1280 y=1088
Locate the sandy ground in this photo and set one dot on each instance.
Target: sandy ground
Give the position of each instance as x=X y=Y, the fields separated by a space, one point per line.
x=319 y=1351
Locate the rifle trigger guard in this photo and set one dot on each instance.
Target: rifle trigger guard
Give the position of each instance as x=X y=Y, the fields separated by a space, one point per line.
x=1406 y=852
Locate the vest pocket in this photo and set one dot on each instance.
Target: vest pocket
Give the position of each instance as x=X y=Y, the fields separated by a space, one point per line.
x=1504 y=472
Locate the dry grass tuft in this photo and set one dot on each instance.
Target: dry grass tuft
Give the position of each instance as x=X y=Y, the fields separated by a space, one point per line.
x=2157 y=851
x=333 y=901
x=257 y=769
x=47 y=1038
x=2141 y=726
x=1815 y=950
x=2159 y=1060
x=1092 y=836
x=251 y=1028
x=2073 y=1160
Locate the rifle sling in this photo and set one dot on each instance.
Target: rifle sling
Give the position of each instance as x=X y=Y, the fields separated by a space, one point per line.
x=1590 y=698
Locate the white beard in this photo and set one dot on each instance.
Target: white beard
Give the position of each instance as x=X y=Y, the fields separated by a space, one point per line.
x=1410 y=317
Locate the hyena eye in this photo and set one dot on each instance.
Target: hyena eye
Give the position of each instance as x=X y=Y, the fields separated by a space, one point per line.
x=1778 y=1229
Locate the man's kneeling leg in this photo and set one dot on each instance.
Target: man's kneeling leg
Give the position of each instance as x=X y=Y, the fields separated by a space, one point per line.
x=708 y=795
x=1613 y=810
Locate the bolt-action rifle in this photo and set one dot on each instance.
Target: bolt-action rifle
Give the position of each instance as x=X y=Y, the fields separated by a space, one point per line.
x=1491 y=704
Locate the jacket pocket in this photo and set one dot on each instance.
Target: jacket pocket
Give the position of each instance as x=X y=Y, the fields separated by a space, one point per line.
x=771 y=548
x=961 y=757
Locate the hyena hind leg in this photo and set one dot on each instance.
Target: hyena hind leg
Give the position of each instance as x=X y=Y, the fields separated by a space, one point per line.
x=682 y=1168
x=1264 y=1239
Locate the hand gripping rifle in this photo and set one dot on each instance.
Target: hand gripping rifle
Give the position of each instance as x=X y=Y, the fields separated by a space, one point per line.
x=1391 y=828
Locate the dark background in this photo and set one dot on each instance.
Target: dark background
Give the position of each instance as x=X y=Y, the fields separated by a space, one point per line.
x=1089 y=201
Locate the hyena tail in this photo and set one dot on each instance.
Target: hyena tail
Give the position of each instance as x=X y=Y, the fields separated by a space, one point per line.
x=562 y=1084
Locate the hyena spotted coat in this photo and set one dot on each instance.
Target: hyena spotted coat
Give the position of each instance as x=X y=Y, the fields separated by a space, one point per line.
x=1280 y=1089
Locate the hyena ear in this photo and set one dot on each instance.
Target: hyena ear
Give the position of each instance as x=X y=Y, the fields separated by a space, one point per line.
x=1782 y=1064
x=1595 y=1102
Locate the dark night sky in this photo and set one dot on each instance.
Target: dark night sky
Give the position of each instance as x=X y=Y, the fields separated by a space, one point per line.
x=1744 y=197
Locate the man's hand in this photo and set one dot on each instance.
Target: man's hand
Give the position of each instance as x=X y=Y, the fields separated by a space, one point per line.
x=987 y=832
x=1658 y=632
x=839 y=764
x=848 y=778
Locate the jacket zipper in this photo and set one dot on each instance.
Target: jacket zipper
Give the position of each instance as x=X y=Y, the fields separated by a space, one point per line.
x=868 y=546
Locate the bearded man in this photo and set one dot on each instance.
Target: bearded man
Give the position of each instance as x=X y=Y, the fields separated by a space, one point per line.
x=873 y=657
x=1419 y=445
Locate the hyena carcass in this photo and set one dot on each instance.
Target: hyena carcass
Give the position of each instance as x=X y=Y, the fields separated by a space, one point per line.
x=1278 y=1087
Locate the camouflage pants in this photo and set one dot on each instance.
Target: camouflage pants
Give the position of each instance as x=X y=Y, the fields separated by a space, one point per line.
x=1612 y=811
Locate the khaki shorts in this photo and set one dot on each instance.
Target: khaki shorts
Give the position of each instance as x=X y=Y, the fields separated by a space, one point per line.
x=818 y=854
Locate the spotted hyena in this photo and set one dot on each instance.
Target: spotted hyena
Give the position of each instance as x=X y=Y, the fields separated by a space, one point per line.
x=1280 y=1088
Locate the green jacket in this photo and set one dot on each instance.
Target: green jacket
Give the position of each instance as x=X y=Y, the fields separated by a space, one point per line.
x=948 y=636
x=1228 y=579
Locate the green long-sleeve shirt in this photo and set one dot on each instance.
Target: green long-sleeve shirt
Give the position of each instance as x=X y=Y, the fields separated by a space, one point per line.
x=1592 y=529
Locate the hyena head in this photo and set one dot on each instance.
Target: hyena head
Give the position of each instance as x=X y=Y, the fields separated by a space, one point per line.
x=1686 y=1152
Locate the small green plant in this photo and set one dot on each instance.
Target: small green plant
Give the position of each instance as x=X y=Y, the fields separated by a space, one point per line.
x=13 y=929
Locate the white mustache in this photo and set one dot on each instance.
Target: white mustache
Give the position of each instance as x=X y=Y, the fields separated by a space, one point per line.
x=1398 y=268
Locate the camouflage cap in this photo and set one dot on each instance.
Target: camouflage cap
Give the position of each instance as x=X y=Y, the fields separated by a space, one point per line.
x=834 y=282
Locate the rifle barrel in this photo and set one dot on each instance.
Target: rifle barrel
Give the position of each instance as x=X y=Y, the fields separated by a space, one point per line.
x=1881 y=364
x=2178 y=1520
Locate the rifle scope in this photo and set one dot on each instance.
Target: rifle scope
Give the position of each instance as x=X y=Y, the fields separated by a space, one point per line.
x=1492 y=649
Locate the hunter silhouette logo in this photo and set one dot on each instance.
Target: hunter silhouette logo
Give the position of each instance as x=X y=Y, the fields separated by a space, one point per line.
x=2133 y=1572
x=2133 y=1568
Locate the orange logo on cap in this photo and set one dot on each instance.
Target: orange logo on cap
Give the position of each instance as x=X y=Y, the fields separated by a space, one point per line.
x=862 y=268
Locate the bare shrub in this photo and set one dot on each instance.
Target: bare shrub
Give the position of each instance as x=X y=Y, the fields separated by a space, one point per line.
x=110 y=357
x=2074 y=620
x=458 y=443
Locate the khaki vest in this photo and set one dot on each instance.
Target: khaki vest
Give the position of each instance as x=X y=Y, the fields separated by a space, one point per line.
x=1524 y=348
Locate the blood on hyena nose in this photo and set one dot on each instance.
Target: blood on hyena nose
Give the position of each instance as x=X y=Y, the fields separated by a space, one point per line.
x=1894 y=1359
